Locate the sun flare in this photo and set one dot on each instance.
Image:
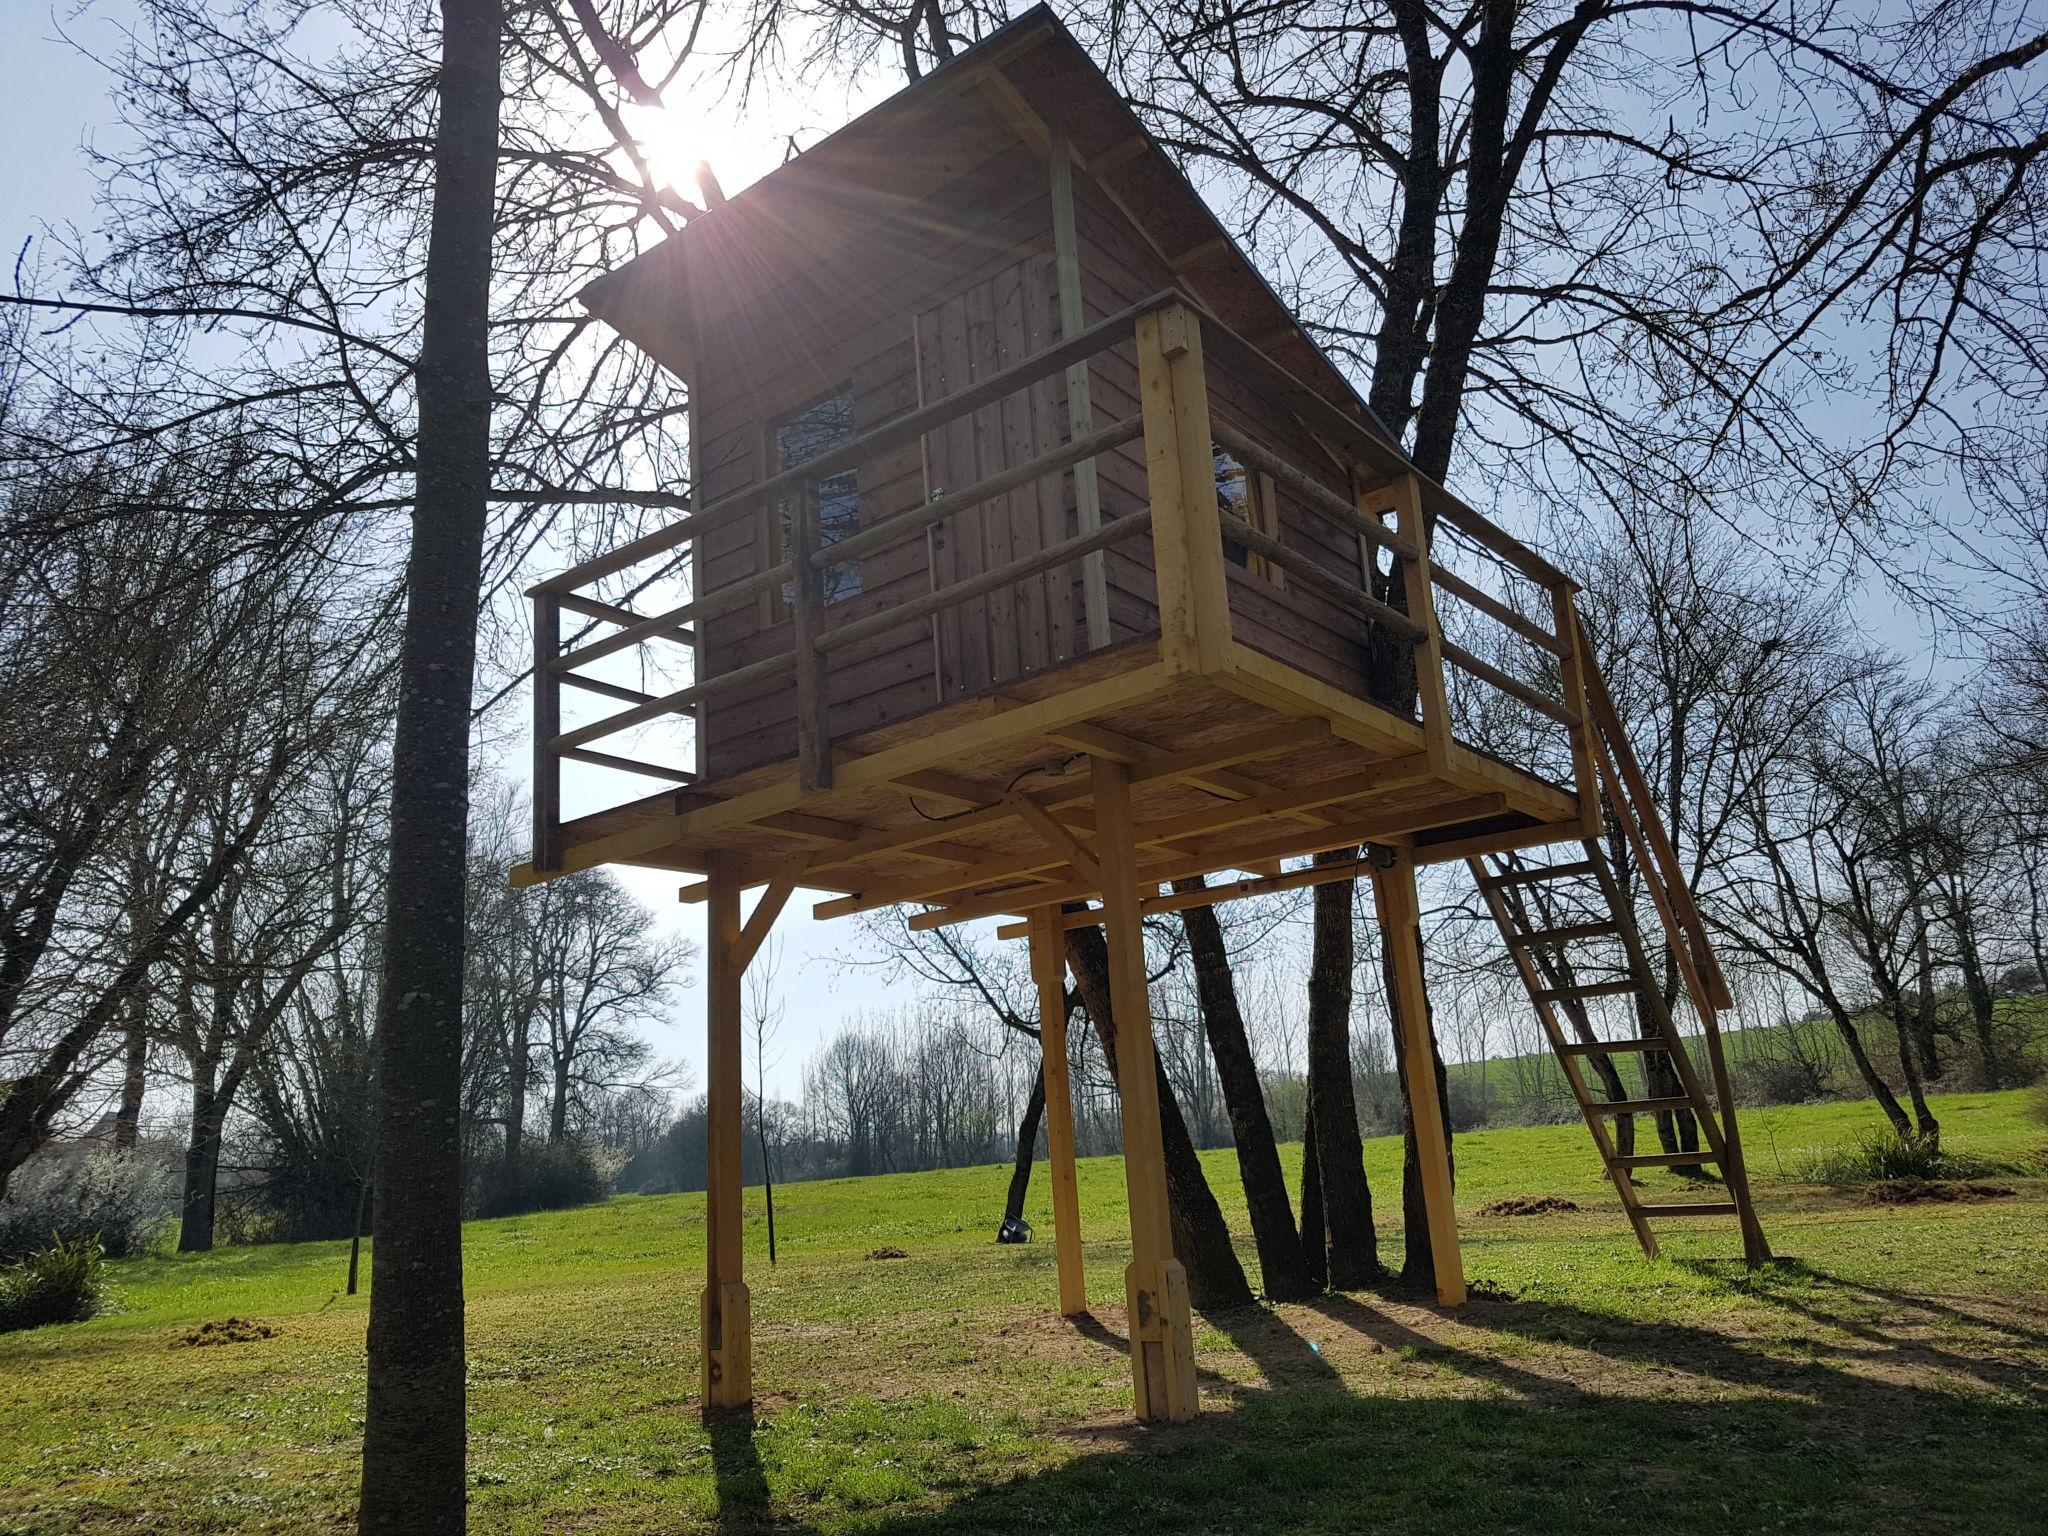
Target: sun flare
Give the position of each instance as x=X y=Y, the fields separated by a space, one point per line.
x=673 y=142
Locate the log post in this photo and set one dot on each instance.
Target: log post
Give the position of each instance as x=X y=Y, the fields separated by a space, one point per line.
x=726 y=1331
x=1180 y=470
x=1049 y=970
x=1571 y=677
x=1155 y=1285
x=1400 y=916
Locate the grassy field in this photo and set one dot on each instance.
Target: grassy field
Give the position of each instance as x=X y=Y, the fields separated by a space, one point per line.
x=1892 y=1375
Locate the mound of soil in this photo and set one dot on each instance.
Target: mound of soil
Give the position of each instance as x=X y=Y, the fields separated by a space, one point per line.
x=1914 y=1191
x=887 y=1252
x=1528 y=1205
x=228 y=1330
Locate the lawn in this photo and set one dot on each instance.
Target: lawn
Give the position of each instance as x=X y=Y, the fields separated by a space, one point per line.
x=1891 y=1375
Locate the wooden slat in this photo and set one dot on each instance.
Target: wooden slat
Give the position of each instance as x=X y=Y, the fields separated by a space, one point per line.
x=1590 y=989
x=1639 y=1106
x=1311 y=575
x=1667 y=1159
x=1564 y=934
x=675 y=703
x=1514 y=687
x=1538 y=873
x=888 y=529
x=604 y=689
x=724 y=600
x=1318 y=497
x=1615 y=1047
x=988 y=581
x=1693 y=1208
x=1497 y=610
x=612 y=613
x=628 y=765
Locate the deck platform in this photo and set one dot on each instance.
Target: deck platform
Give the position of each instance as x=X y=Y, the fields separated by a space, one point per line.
x=1229 y=771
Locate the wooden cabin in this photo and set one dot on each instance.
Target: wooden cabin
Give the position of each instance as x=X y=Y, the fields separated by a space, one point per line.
x=1037 y=559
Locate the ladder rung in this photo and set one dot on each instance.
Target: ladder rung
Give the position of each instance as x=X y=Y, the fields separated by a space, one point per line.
x=1563 y=935
x=1690 y=1208
x=1591 y=989
x=1636 y=1106
x=1616 y=1047
x=1666 y=1159
x=1540 y=872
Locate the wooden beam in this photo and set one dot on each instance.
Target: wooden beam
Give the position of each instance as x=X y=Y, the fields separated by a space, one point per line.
x=951 y=744
x=1049 y=971
x=1198 y=861
x=547 y=723
x=1155 y=1284
x=1215 y=895
x=726 y=1320
x=1187 y=533
x=762 y=919
x=1058 y=837
x=1400 y=915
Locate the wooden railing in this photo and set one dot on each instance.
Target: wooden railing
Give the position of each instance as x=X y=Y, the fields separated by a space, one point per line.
x=1398 y=519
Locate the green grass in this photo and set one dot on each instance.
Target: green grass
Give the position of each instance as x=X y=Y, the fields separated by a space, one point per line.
x=1892 y=1376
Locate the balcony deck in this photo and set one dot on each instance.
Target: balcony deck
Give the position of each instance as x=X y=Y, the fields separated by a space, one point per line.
x=1236 y=758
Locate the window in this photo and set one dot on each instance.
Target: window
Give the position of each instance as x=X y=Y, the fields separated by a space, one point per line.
x=1250 y=499
x=817 y=429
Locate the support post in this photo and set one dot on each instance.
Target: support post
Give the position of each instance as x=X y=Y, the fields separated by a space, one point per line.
x=1049 y=970
x=1420 y=591
x=1400 y=915
x=726 y=1331
x=1180 y=468
x=547 y=724
x=1155 y=1285
x=813 y=729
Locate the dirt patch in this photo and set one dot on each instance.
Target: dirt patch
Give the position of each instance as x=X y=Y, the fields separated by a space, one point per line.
x=887 y=1251
x=1528 y=1205
x=226 y=1330
x=1915 y=1191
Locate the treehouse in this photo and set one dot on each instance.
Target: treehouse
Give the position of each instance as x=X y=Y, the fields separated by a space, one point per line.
x=1037 y=561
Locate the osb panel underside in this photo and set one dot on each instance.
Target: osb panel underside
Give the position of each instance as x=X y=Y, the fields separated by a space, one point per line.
x=943 y=806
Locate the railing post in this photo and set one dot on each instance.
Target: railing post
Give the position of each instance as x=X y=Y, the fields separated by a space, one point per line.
x=813 y=732
x=547 y=724
x=1180 y=466
x=1421 y=595
x=1571 y=676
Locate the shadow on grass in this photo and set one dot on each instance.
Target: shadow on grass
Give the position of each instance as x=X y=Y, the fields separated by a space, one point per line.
x=1648 y=1427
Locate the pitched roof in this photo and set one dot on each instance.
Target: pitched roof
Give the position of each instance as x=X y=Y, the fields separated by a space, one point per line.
x=1031 y=79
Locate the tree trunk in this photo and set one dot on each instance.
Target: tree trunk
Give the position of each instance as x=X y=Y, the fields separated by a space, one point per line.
x=1315 y=1255
x=1923 y=1009
x=1927 y=1128
x=1977 y=988
x=1340 y=1151
x=355 y=1241
x=202 y=1164
x=1201 y=1241
x=1281 y=1265
x=1027 y=1146
x=767 y=1169
x=1880 y=1090
x=413 y=1435
x=517 y=1065
x=134 y=1080
x=558 y=1104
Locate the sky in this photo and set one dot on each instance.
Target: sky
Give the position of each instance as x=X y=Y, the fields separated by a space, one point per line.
x=53 y=101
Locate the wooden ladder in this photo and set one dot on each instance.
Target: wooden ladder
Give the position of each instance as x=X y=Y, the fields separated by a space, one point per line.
x=1572 y=935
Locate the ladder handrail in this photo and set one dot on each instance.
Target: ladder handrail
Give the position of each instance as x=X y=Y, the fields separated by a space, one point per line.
x=1628 y=789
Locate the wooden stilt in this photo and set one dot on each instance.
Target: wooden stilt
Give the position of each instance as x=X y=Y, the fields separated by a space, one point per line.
x=1400 y=914
x=1155 y=1285
x=1049 y=970
x=726 y=1330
